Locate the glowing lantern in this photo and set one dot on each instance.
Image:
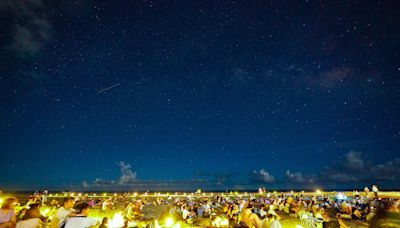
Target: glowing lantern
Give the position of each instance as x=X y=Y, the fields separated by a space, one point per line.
x=156 y=225
x=117 y=220
x=216 y=221
x=45 y=211
x=169 y=222
x=224 y=222
x=220 y=222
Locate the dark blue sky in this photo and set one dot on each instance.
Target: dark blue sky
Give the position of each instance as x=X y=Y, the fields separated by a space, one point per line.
x=211 y=94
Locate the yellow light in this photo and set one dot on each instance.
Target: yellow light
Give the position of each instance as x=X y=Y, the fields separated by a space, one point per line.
x=304 y=216
x=224 y=222
x=156 y=225
x=299 y=226
x=1 y=200
x=117 y=220
x=318 y=191
x=216 y=221
x=220 y=222
x=45 y=211
x=169 y=221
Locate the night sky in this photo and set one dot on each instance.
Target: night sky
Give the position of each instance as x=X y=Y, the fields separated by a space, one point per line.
x=199 y=94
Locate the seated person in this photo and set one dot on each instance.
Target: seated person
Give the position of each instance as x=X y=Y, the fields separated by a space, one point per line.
x=32 y=218
x=7 y=214
x=81 y=219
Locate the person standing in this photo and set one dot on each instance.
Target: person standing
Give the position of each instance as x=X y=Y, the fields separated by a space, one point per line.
x=375 y=190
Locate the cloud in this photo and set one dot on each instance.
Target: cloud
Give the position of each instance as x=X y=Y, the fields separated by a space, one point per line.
x=262 y=176
x=389 y=171
x=342 y=178
x=29 y=41
x=31 y=30
x=351 y=168
x=102 y=182
x=220 y=178
x=297 y=177
x=127 y=176
x=128 y=180
x=27 y=31
x=353 y=160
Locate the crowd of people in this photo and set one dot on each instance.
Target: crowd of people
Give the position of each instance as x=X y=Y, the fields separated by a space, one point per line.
x=70 y=215
x=266 y=210
x=263 y=210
